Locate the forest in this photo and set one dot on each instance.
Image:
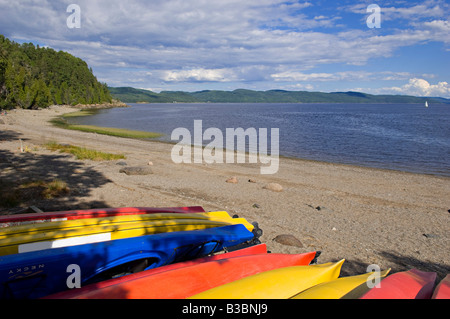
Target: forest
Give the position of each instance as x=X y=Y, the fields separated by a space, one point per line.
x=32 y=77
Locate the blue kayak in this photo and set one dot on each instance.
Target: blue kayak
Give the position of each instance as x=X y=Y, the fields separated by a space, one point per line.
x=37 y=274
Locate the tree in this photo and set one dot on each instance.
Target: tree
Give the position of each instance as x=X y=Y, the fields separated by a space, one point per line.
x=38 y=77
x=41 y=93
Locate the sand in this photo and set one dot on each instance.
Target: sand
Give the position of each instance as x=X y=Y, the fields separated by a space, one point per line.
x=368 y=216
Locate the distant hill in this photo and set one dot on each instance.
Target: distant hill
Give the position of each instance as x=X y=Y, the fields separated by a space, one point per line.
x=34 y=77
x=132 y=95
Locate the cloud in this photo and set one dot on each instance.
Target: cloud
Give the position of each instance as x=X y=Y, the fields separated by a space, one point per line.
x=199 y=74
x=164 y=42
x=421 y=87
x=411 y=12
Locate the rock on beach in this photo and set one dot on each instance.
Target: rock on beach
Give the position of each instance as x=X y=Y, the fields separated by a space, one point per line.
x=232 y=180
x=139 y=170
x=274 y=187
x=288 y=240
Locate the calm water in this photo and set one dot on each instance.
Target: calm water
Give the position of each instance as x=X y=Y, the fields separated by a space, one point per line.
x=406 y=137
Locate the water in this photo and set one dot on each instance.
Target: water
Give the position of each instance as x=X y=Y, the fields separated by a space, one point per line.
x=407 y=137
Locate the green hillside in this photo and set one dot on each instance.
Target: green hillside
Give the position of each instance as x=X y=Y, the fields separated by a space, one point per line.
x=34 y=77
x=132 y=95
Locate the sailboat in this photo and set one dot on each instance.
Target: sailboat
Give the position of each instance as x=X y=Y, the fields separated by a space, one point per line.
x=426 y=103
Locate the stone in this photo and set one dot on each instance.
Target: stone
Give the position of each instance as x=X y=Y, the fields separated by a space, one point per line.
x=145 y=170
x=288 y=240
x=256 y=206
x=121 y=163
x=274 y=187
x=251 y=181
x=232 y=180
x=150 y=163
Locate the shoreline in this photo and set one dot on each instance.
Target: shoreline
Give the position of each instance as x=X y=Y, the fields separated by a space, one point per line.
x=391 y=218
x=405 y=168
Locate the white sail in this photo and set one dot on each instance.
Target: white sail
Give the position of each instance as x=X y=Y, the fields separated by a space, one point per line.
x=426 y=103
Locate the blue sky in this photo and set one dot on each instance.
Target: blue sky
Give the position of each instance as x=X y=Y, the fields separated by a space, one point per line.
x=194 y=45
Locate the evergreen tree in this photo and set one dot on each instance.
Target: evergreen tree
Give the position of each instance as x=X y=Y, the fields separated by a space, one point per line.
x=34 y=77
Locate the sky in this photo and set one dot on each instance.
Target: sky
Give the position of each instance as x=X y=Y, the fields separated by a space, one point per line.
x=194 y=45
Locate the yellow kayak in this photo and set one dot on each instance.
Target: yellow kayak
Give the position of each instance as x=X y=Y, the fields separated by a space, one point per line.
x=99 y=233
x=280 y=283
x=72 y=224
x=351 y=287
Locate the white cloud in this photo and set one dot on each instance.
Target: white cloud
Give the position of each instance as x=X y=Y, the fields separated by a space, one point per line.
x=217 y=41
x=421 y=87
x=199 y=74
x=412 y=12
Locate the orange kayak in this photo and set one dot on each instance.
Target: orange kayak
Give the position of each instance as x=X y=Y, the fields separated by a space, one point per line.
x=187 y=281
x=442 y=291
x=78 y=293
x=411 y=284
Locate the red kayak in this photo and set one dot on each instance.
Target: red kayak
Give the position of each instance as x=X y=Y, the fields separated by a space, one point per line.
x=78 y=293
x=20 y=219
x=411 y=284
x=187 y=281
x=442 y=290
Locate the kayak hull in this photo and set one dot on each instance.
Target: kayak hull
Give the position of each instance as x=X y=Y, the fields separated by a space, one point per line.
x=411 y=284
x=96 y=287
x=84 y=234
x=351 y=287
x=280 y=283
x=187 y=281
x=22 y=219
x=442 y=291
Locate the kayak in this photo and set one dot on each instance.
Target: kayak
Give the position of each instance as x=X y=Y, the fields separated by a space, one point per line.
x=280 y=283
x=29 y=229
x=41 y=273
x=411 y=284
x=442 y=290
x=351 y=287
x=95 y=287
x=20 y=219
x=13 y=243
x=184 y=282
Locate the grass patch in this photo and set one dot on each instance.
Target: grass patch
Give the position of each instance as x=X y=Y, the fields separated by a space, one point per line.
x=47 y=190
x=118 y=132
x=82 y=153
x=85 y=112
x=15 y=195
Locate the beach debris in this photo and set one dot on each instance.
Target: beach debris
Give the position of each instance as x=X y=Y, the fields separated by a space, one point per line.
x=256 y=206
x=232 y=180
x=288 y=240
x=274 y=187
x=251 y=180
x=138 y=170
x=150 y=163
x=430 y=235
x=318 y=208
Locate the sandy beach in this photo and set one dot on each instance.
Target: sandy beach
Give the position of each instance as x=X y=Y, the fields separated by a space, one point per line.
x=367 y=216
